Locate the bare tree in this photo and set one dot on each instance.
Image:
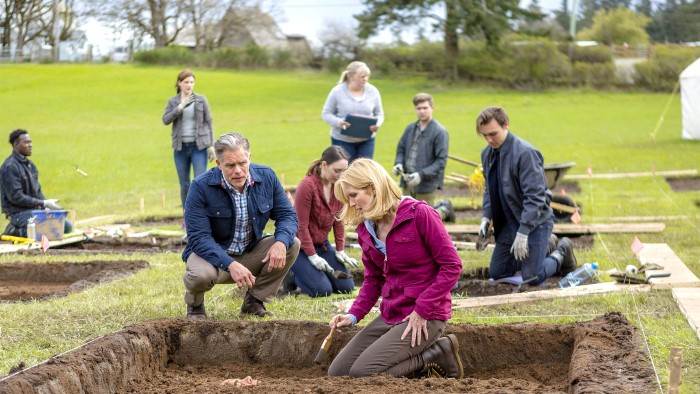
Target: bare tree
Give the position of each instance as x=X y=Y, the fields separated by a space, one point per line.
x=29 y=16
x=162 y=20
x=340 y=40
x=8 y=14
x=205 y=16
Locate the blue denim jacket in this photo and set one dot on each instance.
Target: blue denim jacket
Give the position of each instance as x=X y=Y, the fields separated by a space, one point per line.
x=209 y=214
x=521 y=176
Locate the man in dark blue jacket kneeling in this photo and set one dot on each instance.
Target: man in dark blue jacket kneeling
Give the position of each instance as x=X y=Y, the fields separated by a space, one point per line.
x=516 y=202
x=226 y=211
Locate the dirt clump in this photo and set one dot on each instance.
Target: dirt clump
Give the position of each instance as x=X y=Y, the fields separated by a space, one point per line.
x=27 y=281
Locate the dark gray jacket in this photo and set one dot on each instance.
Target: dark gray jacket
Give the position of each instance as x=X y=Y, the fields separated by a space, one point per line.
x=521 y=175
x=431 y=159
x=20 y=188
x=204 y=136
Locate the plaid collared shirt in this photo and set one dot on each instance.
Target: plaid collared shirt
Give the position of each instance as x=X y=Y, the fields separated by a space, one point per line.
x=242 y=228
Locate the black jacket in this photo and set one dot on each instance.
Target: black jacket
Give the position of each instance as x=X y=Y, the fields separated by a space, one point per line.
x=20 y=189
x=521 y=176
x=431 y=160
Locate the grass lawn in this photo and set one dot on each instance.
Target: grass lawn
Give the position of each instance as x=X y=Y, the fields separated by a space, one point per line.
x=105 y=119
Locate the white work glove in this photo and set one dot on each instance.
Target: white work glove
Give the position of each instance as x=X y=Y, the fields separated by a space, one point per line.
x=413 y=179
x=345 y=259
x=519 y=248
x=320 y=263
x=183 y=104
x=398 y=169
x=51 y=204
x=211 y=154
x=484 y=228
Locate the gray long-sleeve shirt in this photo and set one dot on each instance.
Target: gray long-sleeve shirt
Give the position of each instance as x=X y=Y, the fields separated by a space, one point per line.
x=340 y=103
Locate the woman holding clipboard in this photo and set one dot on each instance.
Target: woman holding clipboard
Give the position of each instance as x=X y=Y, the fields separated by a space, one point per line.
x=354 y=111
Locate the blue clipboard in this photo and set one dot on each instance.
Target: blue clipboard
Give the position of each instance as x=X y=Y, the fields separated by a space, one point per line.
x=359 y=126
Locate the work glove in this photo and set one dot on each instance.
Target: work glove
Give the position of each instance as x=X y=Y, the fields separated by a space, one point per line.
x=183 y=104
x=398 y=169
x=413 y=179
x=345 y=259
x=211 y=154
x=51 y=204
x=484 y=228
x=519 y=248
x=320 y=263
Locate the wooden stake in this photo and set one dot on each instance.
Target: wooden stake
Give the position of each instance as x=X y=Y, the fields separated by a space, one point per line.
x=73 y=216
x=674 y=375
x=162 y=199
x=142 y=205
x=463 y=161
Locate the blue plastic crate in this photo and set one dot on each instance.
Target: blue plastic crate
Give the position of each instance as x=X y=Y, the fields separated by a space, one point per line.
x=49 y=223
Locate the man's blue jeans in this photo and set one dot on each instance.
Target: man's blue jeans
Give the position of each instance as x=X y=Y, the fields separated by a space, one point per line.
x=316 y=283
x=537 y=264
x=18 y=224
x=355 y=150
x=188 y=156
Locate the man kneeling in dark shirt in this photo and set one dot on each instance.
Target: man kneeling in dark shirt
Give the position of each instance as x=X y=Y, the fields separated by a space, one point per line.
x=20 y=191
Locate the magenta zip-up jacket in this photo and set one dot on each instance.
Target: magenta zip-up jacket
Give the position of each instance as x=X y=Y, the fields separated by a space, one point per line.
x=418 y=272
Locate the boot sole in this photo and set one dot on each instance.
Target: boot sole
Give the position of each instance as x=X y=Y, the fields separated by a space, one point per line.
x=454 y=344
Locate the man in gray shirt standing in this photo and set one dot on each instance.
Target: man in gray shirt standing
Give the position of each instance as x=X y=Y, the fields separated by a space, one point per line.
x=421 y=156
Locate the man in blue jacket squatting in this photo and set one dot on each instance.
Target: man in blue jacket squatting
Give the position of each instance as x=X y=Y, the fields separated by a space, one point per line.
x=226 y=211
x=516 y=201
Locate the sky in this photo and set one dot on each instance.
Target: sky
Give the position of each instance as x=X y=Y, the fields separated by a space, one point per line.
x=305 y=17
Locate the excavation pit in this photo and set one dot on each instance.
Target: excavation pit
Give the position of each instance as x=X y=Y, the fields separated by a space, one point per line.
x=684 y=184
x=178 y=356
x=122 y=246
x=30 y=281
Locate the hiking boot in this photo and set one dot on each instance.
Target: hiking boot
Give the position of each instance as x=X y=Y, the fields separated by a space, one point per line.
x=552 y=245
x=196 y=312
x=564 y=254
x=441 y=359
x=447 y=212
x=253 y=306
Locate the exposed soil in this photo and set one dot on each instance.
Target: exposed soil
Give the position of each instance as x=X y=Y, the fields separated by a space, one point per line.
x=27 y=281
x=158 y=221
x=144 y=245
x=177 y=356
x=475 y=283
x=684 y=184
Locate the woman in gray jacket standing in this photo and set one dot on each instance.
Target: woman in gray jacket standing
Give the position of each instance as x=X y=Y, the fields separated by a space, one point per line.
x=192 y=131
x=353 y=95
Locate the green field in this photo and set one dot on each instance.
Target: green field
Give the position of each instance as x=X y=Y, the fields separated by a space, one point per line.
x=106 y=120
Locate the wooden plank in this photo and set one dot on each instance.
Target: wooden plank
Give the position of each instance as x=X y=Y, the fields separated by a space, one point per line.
x=636 y=218
x=662 y=254
x=688 y=300
x=578 y=229
x=578 y=291
x=463 y=161
x=6 y=248
x=95 y=219
x=621 y=175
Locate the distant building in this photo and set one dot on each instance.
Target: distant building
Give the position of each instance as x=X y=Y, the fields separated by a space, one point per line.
x=250 y=25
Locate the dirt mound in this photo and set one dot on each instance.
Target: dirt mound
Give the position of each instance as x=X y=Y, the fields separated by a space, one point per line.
x=178 y=356
x=684 y=184
x=26 y=281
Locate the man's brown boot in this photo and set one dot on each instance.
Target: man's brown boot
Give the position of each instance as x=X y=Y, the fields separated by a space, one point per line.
x=196 y=312
x=253 y=306
x=442 y=359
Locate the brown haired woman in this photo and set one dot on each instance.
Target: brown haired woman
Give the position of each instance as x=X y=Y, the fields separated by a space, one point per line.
x=192 y=135
x=317 y=210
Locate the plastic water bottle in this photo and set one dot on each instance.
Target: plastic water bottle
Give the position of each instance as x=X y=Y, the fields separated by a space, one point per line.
x=579 y=276
x=31 y=229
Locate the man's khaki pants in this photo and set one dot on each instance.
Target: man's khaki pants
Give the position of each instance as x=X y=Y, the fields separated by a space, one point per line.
x=201 y=276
